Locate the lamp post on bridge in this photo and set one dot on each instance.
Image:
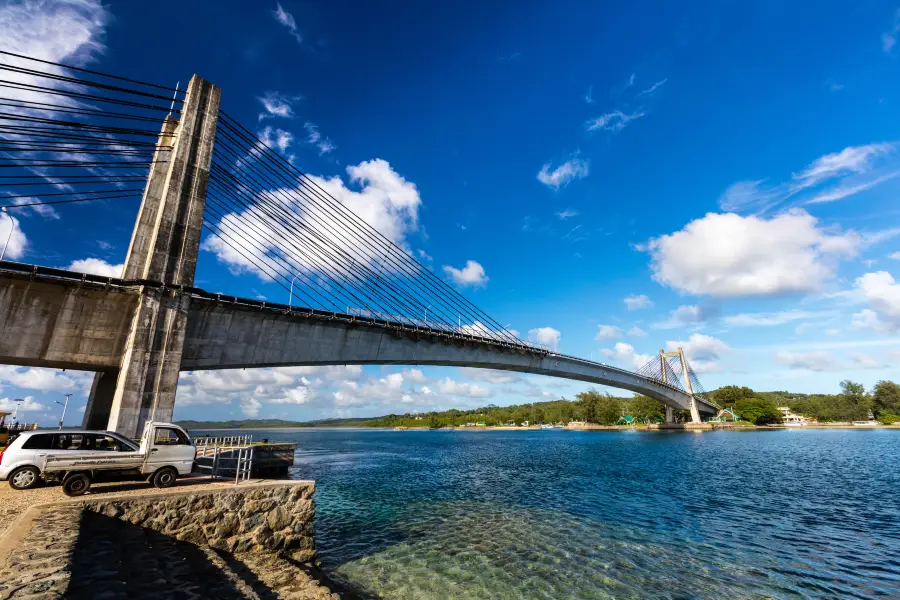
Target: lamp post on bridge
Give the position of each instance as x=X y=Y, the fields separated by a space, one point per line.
x=426 y=313
x=18 y=402
x=65 y=406
x=291 y=297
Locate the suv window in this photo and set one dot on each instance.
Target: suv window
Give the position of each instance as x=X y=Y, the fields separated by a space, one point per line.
x=166 y=436
x=42 y=441
x=68 y=441
x=105 y=443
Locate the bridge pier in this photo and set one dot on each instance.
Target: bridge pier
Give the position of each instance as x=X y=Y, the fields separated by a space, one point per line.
x=164 y=247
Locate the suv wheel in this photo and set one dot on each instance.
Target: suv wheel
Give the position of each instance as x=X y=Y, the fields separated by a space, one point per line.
x=24 y=478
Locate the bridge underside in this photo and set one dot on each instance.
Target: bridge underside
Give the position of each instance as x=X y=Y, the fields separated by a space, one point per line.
x=75 y=322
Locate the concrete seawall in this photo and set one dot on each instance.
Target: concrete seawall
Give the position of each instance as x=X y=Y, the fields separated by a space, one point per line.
x=249 y=541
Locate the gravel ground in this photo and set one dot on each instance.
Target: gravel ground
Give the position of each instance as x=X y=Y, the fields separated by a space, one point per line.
x=13 y=503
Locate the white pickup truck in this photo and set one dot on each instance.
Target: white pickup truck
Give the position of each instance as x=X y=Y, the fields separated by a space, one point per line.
x=78 y=457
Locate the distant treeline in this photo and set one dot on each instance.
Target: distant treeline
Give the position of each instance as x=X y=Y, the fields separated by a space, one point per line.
x=853 y=403
x=266 y=424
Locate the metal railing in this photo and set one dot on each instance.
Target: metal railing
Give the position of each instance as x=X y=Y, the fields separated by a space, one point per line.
x=223 y=454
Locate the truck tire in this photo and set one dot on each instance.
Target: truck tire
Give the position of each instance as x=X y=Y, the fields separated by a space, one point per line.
x=76 y=484
x=165 y=477
x=24 y=478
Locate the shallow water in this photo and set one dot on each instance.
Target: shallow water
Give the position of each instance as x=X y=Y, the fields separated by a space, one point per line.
x=560 y=514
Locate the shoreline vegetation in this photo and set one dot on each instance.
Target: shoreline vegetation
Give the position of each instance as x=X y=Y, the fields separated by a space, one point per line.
x=595 y=411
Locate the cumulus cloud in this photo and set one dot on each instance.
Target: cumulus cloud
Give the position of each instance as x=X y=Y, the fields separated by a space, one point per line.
x=385 y=200
x=471 y=275
x=456 y=388
x=636 y=331
x=37 y=378
x=250 y=407
x=809 y=361
x=287 y=19
x=727 y=255
x=626 y=356
x=701 y=351
x=9 y=405
x=882 y=293
x=636 y=302
x=687 y=315
x=96 y=266
x=490 y=375
x=15 y=249
x=546 y=336
x=574 y=168
x=612 y=121
x=607 y=332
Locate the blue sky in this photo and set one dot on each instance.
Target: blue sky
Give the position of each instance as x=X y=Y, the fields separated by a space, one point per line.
x=721 y=176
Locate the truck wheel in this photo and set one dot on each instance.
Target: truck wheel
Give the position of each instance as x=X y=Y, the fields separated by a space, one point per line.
x=24 y=478
x=165 y=477
x=76 y=484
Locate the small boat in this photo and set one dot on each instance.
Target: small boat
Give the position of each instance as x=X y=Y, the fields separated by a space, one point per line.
x=546 y=426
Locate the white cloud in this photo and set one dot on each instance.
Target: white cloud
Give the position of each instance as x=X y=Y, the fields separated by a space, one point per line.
x=889 y=38
x=37 y=378
x=607 y=332
x=567 y=214
x=882 y=293
x=17 y=243
x=842 y=191
x=9 y=405
x=727 y=255
x=852 y=167
x=277 y=105
x=859 y=360
x=471 y=275
x=769 y=319
x=96 y=266
x=546 y=336
x=686 y=315
x=701 y=351
x=250 y=407
x=809 y=361
x=274 y=137
x=653 y=87
x=414 y=376
x=612 y=121
x=489 y=375
x=625 y=355
x=894 y=256
x=636 y=302
x=385 y=200
x=637 y=332
x=574 y=168
x=287 y=19
x=455 y=388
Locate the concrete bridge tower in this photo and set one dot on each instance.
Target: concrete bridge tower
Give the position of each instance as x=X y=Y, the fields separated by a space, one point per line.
x=163 y=249
x=670 y=412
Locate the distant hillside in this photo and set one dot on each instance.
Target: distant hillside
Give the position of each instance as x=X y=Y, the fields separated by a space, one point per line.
x=267 y=424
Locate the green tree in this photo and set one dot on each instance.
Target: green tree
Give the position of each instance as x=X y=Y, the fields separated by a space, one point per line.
x=642 y=407
x=730 y=394
x=886 y=398
x=857 y=402
x=757 y=410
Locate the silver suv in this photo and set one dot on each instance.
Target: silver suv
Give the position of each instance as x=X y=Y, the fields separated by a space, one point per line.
x=22 y=462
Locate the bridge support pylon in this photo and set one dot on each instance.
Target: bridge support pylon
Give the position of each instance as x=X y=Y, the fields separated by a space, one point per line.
x=164 y=247
x=670 y=413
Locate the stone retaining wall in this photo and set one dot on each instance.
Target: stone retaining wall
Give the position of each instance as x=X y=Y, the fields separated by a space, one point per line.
x=270 y=518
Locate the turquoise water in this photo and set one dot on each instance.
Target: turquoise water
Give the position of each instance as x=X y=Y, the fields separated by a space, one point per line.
x=559 y=514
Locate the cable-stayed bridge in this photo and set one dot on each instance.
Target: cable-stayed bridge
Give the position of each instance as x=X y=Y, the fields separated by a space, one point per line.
x=71 y=136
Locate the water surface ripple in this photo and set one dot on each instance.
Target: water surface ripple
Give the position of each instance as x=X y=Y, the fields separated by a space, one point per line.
x=559 y=514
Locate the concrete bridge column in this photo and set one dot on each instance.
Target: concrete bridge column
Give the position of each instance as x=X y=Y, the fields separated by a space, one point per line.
x=164 y=247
